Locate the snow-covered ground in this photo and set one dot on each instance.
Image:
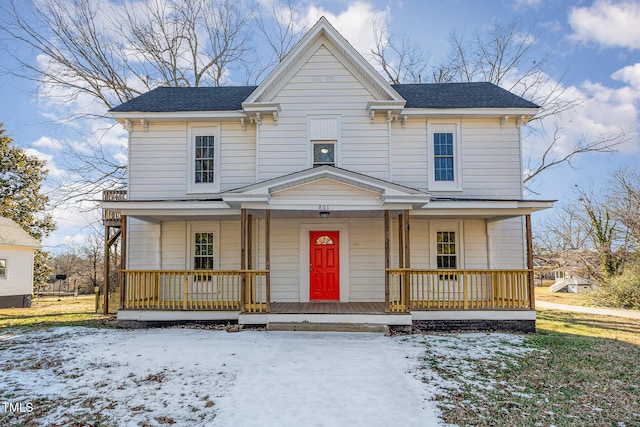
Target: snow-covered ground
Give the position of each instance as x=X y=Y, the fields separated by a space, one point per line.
x=197 y=377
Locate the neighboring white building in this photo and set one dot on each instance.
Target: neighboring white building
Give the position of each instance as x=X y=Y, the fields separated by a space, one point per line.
x=326 y=194
x=16 y=264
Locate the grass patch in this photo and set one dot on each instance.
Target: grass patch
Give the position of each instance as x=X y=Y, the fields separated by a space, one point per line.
x=580 y=370
x=79 y=311
x=544 y=294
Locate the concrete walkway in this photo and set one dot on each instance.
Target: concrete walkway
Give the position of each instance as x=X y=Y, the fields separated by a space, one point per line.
x=632 y=314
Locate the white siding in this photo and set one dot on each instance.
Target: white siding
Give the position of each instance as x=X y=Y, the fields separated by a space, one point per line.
x=238 y=156
x=158 y=162
x=19 y=271
x=158 y=159
x=475 y=244
x=285 y=261
x=174 y=250
x=409 y=154
x=507 y=244
x=143 y=241
x=366 y=256
x=491 y=160
x=323 y=86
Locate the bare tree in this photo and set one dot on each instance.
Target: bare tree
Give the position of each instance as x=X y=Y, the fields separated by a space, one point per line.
x=99 y=54
x=624 y=202
x=280 y=30
x=402 y=60
x=593 y=229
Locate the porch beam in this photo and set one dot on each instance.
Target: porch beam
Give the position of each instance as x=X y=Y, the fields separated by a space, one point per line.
x=249 y=241
x=400 y=241
x=407 y=241
x=123 y=258
x=407 y=260
x=387 y=262
x=243 y=256
x=105 y=280
x=267 y=255
x=532 y=292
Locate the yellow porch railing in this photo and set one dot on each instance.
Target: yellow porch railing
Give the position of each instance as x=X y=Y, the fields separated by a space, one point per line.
x=416 y=289
x=195 y=290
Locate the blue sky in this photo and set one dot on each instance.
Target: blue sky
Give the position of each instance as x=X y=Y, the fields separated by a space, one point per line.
x=595 y=44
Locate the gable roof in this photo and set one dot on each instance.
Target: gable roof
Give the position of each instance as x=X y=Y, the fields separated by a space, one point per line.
x=230 y=98
x=11 y=234
x=323 y=33
x=460 y=95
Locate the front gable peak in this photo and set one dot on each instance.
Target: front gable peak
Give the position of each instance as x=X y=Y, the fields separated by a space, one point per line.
x=323 y=34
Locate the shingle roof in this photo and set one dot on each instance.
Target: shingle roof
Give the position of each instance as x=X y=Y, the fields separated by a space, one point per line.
x=460 y=95
x=230 y=98
x=174 y=99
x=11 y=234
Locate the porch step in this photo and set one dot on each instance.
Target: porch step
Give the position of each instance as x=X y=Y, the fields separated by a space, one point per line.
x=327 y=327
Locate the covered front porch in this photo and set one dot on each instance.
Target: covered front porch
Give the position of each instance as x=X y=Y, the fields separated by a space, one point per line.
x=385 y=241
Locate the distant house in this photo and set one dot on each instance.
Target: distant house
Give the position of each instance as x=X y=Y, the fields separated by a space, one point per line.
x=16 y=264
x=325 y=194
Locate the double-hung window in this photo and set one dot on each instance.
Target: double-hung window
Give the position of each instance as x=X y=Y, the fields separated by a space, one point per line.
x=446 y=255
x=446 y=245
x=204 y=159
x=3 y=268
x=444 y=163
x=203 y=251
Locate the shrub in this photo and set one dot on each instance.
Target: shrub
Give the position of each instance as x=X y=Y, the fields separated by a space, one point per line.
x=621 y=291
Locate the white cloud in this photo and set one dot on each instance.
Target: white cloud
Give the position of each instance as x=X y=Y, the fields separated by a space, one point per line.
x=604 y=112
x=526 y=4
x=48 y=143
x=355 y=23
x=607 y=23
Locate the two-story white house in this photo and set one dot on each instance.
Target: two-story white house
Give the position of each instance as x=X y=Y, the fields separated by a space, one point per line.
x=325 y=194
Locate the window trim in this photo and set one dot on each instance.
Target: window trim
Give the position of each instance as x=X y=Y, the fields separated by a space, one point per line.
x=444 y=126
x=336 y=139
x=4 y=276
x=457 y=228
x=193 y=132
x=203 y=227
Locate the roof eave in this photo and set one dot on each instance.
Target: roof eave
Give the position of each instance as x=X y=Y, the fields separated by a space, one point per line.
x=524 y=114
x=176 y=115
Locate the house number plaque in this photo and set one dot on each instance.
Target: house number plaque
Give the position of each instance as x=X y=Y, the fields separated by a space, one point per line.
x=323 y=207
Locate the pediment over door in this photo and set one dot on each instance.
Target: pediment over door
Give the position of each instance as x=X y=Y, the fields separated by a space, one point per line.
x=329 y=188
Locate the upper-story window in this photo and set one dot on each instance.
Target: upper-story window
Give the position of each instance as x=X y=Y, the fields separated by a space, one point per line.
x=444 y=156
x=323 y=135
x=324 y=153
x=204 y=159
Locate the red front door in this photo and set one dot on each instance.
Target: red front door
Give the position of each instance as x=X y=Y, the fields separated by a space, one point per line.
x=325 y=266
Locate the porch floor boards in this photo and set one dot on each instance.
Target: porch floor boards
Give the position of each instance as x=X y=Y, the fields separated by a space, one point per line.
x=328 y=308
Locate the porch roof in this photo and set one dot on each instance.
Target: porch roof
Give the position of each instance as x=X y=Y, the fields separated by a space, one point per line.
x=491 y=209
x=345 y=190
